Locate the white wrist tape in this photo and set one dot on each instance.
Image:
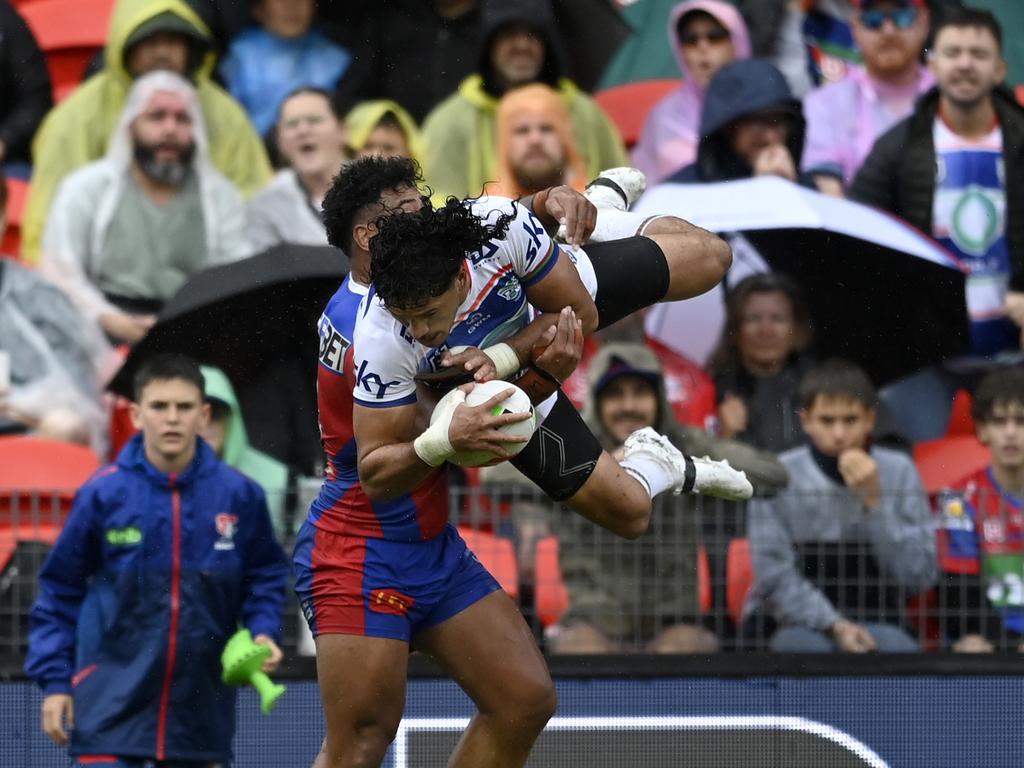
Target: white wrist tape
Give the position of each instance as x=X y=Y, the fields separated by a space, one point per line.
x=506 y=361
x=433 y=446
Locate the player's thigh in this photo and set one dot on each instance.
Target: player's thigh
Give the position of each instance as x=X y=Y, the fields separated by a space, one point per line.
x=362 y=682
x=489 y=650
x=631 y=274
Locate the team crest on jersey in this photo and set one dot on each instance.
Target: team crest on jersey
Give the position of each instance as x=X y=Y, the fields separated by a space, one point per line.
x=510 y=289
x=955 y=515
x=226 y=525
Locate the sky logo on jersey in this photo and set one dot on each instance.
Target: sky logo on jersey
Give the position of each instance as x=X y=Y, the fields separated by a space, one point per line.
x=534 y=229
x=332 y=345
x=372 y=382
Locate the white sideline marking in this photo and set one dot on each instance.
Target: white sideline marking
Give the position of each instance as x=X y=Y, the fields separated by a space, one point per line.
x=656 y=723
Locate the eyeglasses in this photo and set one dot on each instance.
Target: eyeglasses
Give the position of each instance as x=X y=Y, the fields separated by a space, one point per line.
x=901 y=18
x=713 y=36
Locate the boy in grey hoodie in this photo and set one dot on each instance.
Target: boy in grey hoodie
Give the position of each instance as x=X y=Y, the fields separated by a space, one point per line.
x=838 y=552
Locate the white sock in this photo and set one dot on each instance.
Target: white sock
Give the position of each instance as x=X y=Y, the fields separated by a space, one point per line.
x=543 y=408
x=616 y=225
x=650 y=472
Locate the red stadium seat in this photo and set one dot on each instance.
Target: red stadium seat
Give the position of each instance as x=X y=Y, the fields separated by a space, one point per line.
x=628 y=104
x=38 y=479
x=961 y=422
x=945 y=462
x=17 y=194
x=551 y=598
x=497 y=555
x=739 y=577
x=69 y=32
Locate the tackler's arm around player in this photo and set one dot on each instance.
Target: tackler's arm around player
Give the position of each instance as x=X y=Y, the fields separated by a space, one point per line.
x=564 y=206
x=393 y=459
x=503 y=360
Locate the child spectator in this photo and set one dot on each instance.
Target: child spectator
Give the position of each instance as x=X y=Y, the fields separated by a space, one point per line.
x=981 y=531
x=839 y=551
x=266 y=63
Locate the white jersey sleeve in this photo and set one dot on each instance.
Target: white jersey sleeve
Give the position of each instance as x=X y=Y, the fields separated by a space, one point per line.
x=527 y=245
x=385 y=358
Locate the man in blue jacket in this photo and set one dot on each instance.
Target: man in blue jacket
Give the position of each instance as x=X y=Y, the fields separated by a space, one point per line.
x=165 y=554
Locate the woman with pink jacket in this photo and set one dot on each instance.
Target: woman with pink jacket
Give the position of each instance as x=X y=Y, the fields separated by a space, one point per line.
x=705 y=35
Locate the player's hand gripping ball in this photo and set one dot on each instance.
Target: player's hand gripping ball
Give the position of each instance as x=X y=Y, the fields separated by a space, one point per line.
x=518 y=402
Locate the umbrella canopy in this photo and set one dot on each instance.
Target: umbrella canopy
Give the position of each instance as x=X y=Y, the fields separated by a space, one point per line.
x=879 y=292
x=241 y=316
x=592 y=30
x=256 y=320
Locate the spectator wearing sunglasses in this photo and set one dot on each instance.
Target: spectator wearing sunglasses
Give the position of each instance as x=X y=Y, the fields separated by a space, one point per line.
x=955 y=170
x=845 y=118
x=704 y=35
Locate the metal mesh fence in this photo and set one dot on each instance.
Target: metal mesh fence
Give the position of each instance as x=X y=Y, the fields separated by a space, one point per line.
x=689 y=585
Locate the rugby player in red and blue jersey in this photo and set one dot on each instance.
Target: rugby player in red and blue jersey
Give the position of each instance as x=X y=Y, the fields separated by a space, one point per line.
x=400 y=575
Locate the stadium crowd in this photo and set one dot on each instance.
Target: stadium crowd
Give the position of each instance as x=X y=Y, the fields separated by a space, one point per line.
x=204 y=134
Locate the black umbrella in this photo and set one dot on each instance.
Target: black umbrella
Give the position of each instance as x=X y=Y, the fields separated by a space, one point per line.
x=254 y=319
x=592 y=30
x=879 y=293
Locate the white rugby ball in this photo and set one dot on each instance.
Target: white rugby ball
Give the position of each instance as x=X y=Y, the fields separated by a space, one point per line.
x=518 y=402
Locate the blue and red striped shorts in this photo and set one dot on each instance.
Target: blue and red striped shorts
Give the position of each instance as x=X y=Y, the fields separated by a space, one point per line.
x=353 y=585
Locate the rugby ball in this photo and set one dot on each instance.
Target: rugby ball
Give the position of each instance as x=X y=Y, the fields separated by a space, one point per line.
x=518 y=402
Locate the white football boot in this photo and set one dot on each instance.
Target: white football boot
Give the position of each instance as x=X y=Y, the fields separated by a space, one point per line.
x=691 y=475
x=615 y=188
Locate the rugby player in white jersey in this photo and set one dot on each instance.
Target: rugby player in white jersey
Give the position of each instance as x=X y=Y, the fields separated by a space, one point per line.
x=463 y=276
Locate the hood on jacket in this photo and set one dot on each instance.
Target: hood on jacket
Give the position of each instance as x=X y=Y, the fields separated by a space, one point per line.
x=236 y=452
x=120 y=150
x=133 y=16
x=364 y=117
x=722 y=12
x=539 y=15
x=739 y=89
x=622 y=358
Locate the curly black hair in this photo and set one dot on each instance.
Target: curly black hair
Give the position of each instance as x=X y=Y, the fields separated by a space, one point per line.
x=416 y=256
x=361 y=183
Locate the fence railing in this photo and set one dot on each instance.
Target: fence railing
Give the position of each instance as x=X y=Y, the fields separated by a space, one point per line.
x=691 y=583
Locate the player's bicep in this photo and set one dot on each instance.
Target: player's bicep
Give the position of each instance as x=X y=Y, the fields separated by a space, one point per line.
x=561 y=287
x=376 y=428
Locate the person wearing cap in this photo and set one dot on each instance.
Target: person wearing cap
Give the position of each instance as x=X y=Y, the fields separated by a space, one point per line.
x=751 y=126
x=127 y=231
x=521 y=45
x=705 y=35
x=954 y=169
x=609 y=610
x=145 y=35
x=845 y=118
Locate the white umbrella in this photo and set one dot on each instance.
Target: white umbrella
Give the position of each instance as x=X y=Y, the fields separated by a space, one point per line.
x=773 y=223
